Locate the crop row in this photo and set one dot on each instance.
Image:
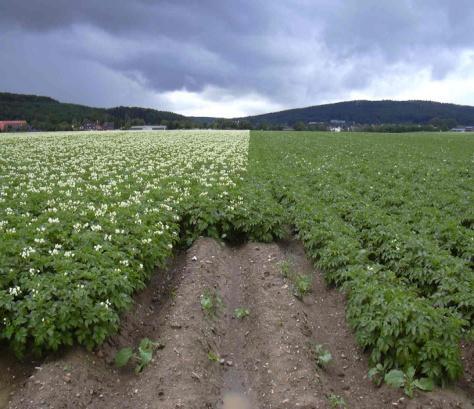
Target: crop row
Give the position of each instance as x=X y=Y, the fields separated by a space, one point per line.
x=358 y=203
x=85 y=219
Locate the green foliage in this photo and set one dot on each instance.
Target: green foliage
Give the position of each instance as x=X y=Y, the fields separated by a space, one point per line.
x=407 y=381
x=376 y=374
x=47 y=114
x=286 y=269
x=213 y=357
x=123 y=356
x=393 y=113
x=321 y=355
x=402 y=329
x=302 y=286
x=80 y=242
x=145 y=353
x=241 y=313
x=388 y=219
x=336 y=401
x=381 y=218
x=142 y=357
x=211 y=303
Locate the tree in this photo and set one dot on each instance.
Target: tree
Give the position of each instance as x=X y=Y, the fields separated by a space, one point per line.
x=299 y=126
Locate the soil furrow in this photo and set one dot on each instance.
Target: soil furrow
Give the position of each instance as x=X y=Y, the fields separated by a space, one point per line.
x=237 y=390
x=215 y=360
x=283 y=369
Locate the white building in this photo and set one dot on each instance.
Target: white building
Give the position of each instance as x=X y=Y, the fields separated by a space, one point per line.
x=148 y=128
x=463 y=129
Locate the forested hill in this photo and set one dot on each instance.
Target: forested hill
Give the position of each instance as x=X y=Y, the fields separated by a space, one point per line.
x=372 y=112
x=45 y=113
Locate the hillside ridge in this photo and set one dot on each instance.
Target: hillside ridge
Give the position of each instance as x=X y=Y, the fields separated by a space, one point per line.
x=45 y=113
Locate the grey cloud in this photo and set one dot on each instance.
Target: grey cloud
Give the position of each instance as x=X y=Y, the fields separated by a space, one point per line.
x=291 y=52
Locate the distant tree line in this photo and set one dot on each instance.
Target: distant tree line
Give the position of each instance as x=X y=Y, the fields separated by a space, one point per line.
x=47 y=114
x=434 y=125
x=374 y=113
x=242 y=124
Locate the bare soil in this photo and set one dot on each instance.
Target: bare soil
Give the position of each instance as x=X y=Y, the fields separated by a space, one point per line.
x=264 y=360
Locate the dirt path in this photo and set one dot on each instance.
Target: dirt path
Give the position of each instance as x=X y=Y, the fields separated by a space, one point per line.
x=261 y=361
x=347 y=374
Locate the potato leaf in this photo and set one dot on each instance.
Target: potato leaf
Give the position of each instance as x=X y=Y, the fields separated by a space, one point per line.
x=425 y=384
x=123 y=356
x=395 y=378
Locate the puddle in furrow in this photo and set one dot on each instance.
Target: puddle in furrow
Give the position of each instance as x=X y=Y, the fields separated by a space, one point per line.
x=5 y=395
x=234 y=400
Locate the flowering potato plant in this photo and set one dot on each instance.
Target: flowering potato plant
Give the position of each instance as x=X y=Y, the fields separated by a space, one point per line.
x=85 y=218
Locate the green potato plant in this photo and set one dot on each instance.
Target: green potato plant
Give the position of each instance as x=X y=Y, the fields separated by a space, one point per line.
x=142 y=356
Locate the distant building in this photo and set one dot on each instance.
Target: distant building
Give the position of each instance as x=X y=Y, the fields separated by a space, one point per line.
x=95 y=126
x=6 y=126
x=337 y=125
x=148 y=128
x=90 y=126
x=463 y=129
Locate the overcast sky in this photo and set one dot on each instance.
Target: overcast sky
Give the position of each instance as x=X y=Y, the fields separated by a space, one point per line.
x=233 y=58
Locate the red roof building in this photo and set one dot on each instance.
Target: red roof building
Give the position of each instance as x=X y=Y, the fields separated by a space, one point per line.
x=12 y=125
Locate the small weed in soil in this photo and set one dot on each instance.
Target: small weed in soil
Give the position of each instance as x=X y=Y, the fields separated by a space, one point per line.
x=213 y=357
x=301 y=283
x=173 y=293
x=321 y=355
x=211 y=303
x=336 y=401
x=376 y=374
x=302 y=286
x=241 y=313
x=142 y=356
x=286 y=269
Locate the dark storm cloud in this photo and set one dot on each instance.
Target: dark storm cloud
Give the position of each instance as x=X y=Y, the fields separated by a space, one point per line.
x=292 y=52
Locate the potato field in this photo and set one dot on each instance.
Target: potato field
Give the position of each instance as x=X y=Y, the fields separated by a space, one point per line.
x=86 y=219
x=390 y=219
